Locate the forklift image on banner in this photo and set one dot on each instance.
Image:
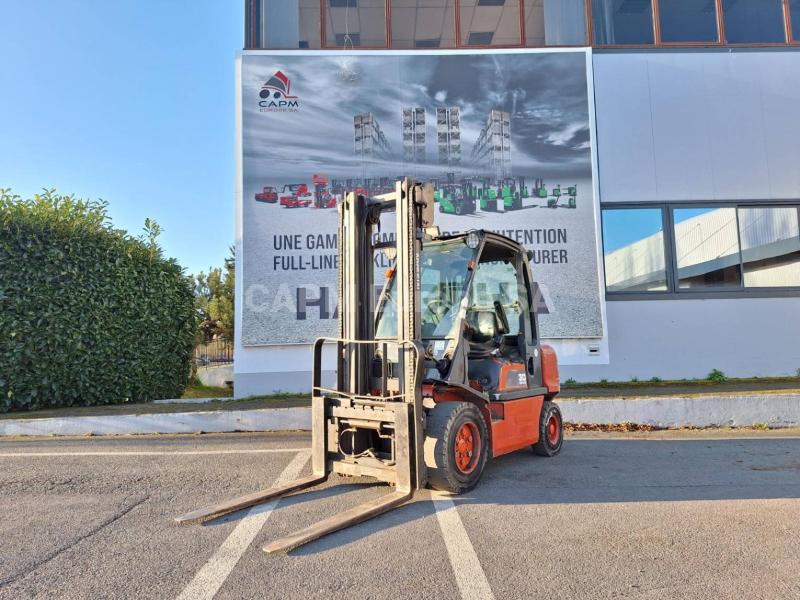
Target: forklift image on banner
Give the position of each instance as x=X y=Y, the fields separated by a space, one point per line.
x=571 y=194
x=539 y=190
x=323 y=198
x=453 y=201
x=445 y=373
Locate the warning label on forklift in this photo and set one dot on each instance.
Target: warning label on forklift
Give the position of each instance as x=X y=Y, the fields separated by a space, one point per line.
x=504 y=138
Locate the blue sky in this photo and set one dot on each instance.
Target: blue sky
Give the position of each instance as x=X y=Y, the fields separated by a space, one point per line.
x=128 y=101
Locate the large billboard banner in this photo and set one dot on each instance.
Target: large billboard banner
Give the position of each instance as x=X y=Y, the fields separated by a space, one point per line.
x=504 y=137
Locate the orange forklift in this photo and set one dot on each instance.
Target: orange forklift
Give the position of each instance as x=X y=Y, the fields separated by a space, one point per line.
x=445 y=371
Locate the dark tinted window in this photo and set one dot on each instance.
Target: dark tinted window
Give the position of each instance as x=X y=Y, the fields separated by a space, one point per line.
x=622 y=22
x=555 y=23
x=352 y=23
x=688 y=20
x=490 y=23
x=423 y=24
x=794 y=9
x=753 y=21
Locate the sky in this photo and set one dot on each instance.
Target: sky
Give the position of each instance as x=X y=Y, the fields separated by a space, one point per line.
x=129 y=102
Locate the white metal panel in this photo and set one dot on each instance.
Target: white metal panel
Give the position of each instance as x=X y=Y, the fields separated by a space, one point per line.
x=680 y=130
x=624 y=128
x=698 y=125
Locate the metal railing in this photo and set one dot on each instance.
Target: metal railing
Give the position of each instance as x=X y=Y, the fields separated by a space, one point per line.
x=215 y=352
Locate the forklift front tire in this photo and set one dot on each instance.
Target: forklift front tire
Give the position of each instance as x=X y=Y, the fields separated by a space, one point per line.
x=456 y=446
x=551 y=431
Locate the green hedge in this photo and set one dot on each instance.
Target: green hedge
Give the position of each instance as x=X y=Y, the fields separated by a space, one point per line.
x=88 y=314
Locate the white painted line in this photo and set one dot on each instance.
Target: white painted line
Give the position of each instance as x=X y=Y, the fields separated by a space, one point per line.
x=152 y=452
x=471 y=579
x=212 y=575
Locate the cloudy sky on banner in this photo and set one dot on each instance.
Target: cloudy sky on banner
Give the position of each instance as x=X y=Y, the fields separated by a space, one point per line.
x=546 y=94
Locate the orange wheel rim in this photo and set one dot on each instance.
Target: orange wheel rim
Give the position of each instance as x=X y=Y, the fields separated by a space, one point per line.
x=552 y=430
x=467 y=448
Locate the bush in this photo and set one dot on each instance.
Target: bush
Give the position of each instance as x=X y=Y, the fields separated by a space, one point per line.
x=717 y=376
x=88 y=314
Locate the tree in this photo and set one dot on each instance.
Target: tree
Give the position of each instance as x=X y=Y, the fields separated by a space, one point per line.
x=214 y=300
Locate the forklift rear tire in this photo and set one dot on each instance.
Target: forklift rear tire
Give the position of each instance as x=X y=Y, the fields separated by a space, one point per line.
x=551 y=431
x=456 y=446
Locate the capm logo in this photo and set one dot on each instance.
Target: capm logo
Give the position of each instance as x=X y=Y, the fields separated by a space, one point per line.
x=276 y=95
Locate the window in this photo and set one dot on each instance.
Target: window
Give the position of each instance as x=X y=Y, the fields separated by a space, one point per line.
x=496 y=281
x=423 y=24
x=794 y=14
x=622 y=22
x=283 y=26
x=633 y=249
x=490 y=22
x=355 y=23
x=754 y=21
x=714 y=249
x=706 y=247
x=770 y=241
x=555 y=23
x=688 y=20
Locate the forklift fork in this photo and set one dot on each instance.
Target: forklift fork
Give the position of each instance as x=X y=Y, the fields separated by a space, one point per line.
x=402 y=479
x=333 y=523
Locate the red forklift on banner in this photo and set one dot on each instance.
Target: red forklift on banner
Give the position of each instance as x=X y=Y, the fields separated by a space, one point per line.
x=267 y=194
x=446 y=372
x=296 y=195
x=323 y=198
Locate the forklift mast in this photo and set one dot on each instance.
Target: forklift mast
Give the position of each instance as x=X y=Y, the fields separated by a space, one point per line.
x=358 y=375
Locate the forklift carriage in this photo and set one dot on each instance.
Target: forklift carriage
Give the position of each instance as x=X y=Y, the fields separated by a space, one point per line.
x=444 y=373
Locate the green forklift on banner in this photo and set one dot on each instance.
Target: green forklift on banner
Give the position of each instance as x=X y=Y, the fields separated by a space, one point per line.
x=453 y=201
x=539 y=189
x=571 y=193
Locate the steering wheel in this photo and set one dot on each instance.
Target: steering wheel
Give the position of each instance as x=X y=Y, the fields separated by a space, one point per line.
x=435 y=309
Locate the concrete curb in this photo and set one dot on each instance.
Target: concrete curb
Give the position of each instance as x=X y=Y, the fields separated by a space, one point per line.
x=775 y=410
x=216 y=421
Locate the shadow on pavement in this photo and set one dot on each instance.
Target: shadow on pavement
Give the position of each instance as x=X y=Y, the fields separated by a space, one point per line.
x=607 y=471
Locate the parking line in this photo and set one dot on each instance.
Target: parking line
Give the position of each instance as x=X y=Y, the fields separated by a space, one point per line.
x=212 y=575
x=151 y=453
x=471 y=579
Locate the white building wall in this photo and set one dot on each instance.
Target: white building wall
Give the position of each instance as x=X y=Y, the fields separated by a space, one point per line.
x=697 y=126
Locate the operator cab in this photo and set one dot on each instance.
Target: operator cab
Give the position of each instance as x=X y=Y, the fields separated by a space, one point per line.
x=478 y=329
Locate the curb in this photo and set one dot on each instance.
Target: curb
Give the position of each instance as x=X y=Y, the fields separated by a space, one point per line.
x=216 y=421
x=773 y=410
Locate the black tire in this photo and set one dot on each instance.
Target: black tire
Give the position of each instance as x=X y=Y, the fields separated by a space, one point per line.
x=444 y=424
x=550 y=441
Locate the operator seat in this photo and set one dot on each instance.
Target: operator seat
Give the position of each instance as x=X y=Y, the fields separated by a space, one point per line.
x=485 y=333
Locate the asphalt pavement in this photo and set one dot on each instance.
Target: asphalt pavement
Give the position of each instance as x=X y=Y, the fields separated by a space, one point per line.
x=660 y=515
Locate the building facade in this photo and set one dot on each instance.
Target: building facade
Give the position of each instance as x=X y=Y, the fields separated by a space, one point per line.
x=695 y=132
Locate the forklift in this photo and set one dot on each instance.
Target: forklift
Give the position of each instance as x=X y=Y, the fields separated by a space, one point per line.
x=443 y=372
x=323 y=198
x=453 y=201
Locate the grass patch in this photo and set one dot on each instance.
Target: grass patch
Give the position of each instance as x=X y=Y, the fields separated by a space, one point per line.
x=197 y=390
x=702 y=383
x=149 y=408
